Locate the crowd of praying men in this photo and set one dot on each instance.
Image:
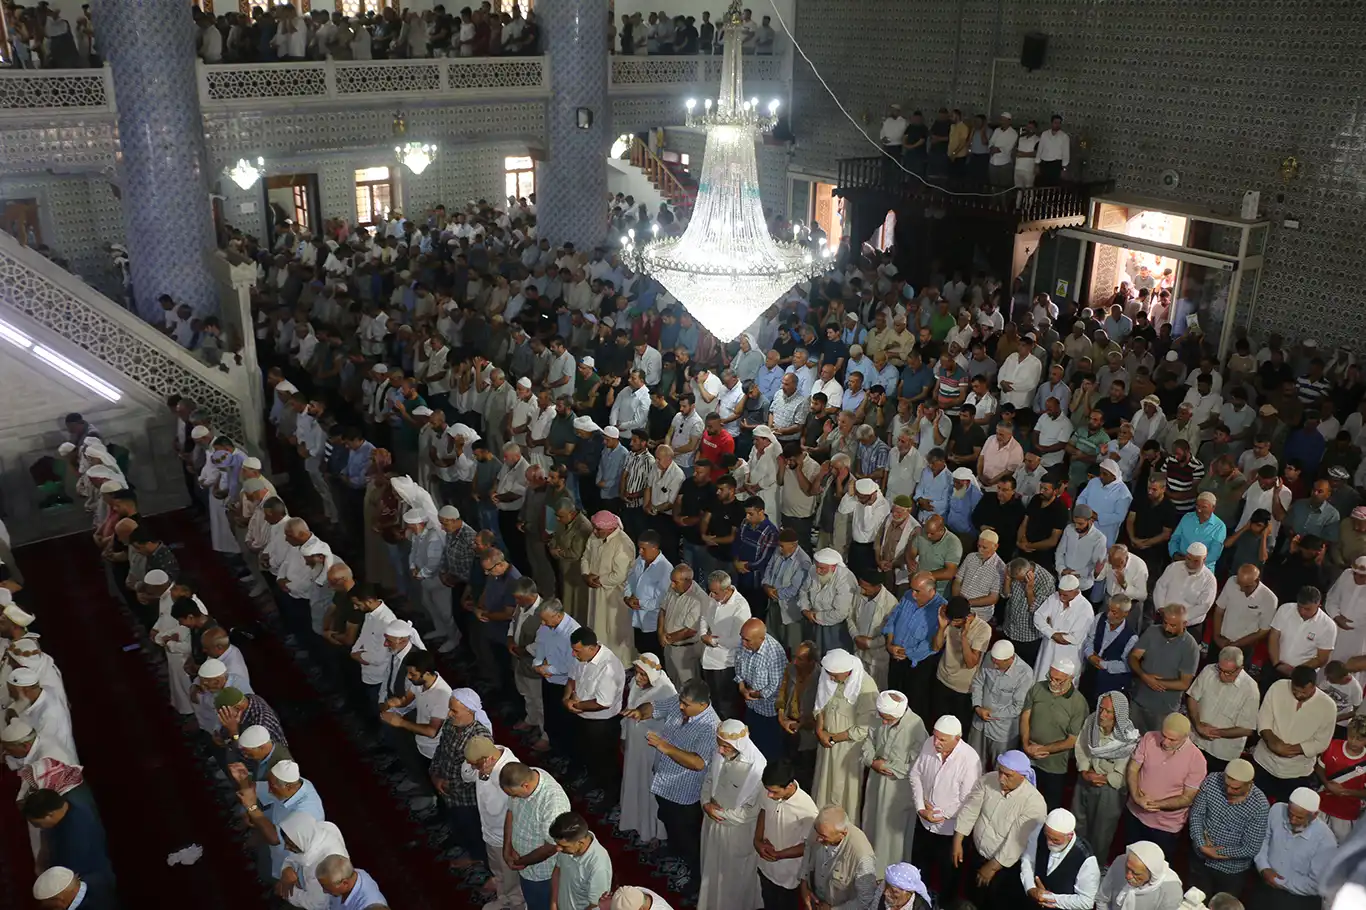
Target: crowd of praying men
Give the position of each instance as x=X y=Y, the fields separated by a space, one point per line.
x=839 y=615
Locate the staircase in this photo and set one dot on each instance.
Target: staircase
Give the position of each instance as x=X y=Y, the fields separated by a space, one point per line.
x=673 y=184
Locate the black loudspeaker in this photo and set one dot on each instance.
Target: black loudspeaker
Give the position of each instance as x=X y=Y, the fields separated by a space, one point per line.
x=1033 y=50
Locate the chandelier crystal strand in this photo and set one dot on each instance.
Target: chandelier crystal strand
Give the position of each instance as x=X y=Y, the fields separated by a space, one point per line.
x=244 y=173
x=726 y=268
x=415 y=156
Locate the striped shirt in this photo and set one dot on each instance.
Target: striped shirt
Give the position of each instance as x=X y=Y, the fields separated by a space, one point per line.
x=755 y=545
x=762 y=672
x=1237 y=829
x=1019 y=621
x=873 y=458
x=258 y=713
x=635 y=477
x=531 y=818
x=1182 y=479
x=697 y=735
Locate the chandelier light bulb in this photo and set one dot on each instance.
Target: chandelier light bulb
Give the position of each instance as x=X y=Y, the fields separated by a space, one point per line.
x=692 y=103
x=654 y=228
x=416 y=156
x=773 y=106
x=631 y=233
x=245 y=174
x=707 y=104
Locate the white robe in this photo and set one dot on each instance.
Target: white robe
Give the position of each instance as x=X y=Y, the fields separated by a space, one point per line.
x=1348 y=599
x=608 y=614
x=839 y=769
x=220 y=529
x=638 y=807
x=730 y=866
x=1075 y=622
x=50 y=717
x=763 y=473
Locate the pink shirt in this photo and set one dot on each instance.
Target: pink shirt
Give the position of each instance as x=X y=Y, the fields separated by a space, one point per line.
x=1163 y=775
x=997 y=459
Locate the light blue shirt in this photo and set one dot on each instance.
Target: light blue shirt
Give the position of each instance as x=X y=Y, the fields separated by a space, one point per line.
x=305 y=799
x=610 y=466
x=806 y=378
x=770 y=380
x=938 y=489
x=1299 y=858
x=862 y=365
x=426 y=552
x=554 y=651
x=649 y=584
x=1191 y=530
x=358 y=465
x=365 y=894
x=887 y=377
x=1047 y=391
x=959 y=517
x=1110 y=502
x=1081 y=553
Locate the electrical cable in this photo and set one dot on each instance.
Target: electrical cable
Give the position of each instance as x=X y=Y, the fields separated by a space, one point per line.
x=862 y=132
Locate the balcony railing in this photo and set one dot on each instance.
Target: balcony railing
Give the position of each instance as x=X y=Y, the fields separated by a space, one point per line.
x=25 y=94
x=1067 y=202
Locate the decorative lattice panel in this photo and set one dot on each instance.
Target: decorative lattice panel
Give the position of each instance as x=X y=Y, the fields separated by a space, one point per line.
x=656 y=70
x=380 y=77
x=495 y=73
x=261 y=81
x=38 y=89
x=108 y=334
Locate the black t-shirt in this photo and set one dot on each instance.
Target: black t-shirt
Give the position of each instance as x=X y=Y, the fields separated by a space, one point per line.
x=658 y=421
x=1150 y=518
x=965 y=439
x=1114 y=412
x=725 y=518
x=1004 y=518
x=916 y=132
x=785 y=348
x=940 y=130
x=833 y=351
x=345 y=612
x=694 y=500
x=1045 y=519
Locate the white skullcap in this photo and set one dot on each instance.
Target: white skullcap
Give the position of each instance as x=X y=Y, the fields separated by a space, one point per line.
x=24 y=677
x=524 y=383
x=892 y=703
x=1064 y=665
x=1003 y=649
x=1069 y=583
x=1111 y=466
x=16 y=731
x=589 y=361
x=763 y=431
x=839 y=661
x=398 y=629
x=949 y=725
x=829 y=557
x=963 y=474
x=65 y=448
x=866 y=486
x=254 y=485
x=611 y=432
x=414 y=517
x=586 y=425
x=628 y=897
x=16 y=614
x=52 y=882
x=422 y=411
x=212 y=669
x=200 y=433
x=252 y=464
x=284 y=385
x=1061 y=821
x=111 y=486
x=1305 y=798
x=449 y=512
x=379 y=368
x=1197 y=549
x=286 y=772
x=1006 y=116
x=156 y=577
x=254 y=737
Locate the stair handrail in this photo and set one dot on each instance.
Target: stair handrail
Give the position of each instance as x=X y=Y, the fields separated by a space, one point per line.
x=654 y=167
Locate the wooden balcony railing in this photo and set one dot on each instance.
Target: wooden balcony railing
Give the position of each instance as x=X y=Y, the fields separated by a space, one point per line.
x=659 y=173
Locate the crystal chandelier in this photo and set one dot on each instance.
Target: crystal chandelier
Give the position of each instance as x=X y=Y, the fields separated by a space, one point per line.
x=244 y=173
x=416 y=155
x=726 y=268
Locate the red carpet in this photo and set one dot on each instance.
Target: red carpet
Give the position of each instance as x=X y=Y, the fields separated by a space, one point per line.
x=154 y=794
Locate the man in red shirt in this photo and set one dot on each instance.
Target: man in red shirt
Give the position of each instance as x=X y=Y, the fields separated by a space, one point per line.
x=716 y=441
x=1342 y=770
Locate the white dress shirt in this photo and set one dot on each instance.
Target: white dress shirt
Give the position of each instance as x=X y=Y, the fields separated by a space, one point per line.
x=1055 y=146
x=1178 y=585
x=602 y=679
x=834 y=392
x=428 y=704
x=787 y=823
x=723 y=620
x=1135 y=585
x=1088 y=876
x=1003 y=140
x=1302 y=638
x=490 y=796
x=1245 y=613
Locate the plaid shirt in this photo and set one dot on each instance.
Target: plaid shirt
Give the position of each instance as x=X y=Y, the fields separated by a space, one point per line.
x=1237 y=829
x=697 y=735
x=531 y=818
x=873 y=458
x=635 y=477
x=258 y=712
x=756 y=546
x=450 y=755
x=1019 y=623
x=762 y=671
x=458 y=556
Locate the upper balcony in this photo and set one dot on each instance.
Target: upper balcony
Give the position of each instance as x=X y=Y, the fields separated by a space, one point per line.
x=33 y=96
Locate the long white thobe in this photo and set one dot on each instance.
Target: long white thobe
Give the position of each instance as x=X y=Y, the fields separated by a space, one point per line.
x=639 y=811
x=1073 y=620
x=610 y=560
x=729 y=862
x=1347 y=599
x=51 y=718
x=763 y=473
x=839 y=768
x=889 y=806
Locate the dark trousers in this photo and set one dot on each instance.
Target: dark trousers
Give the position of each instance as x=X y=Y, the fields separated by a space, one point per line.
x=1050 y=173
x=1278 y=789
x=1051 y=786
x=645 y=642
x=935 y=852
x=777 y=897
x=536 y=894
x=558 y=721
x=1265 y=897
x=914 y=682
x=632 y=522
x=765 y=733
x=725 y=693
x=683 y=827
x=1135 y=830
x=803 y=528
x=944 y=700
x=1213 y=766
x=1028 y=651
x=466 y=832
x=1212 y=881
x=1004 y=888
x=515 y=539
x=599 y=746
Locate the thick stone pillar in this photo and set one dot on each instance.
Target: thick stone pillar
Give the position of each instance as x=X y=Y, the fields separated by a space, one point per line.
x=571 y=189
x=165 y=190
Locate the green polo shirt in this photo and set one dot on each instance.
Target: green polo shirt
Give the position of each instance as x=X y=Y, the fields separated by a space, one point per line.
x=1053 y=718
